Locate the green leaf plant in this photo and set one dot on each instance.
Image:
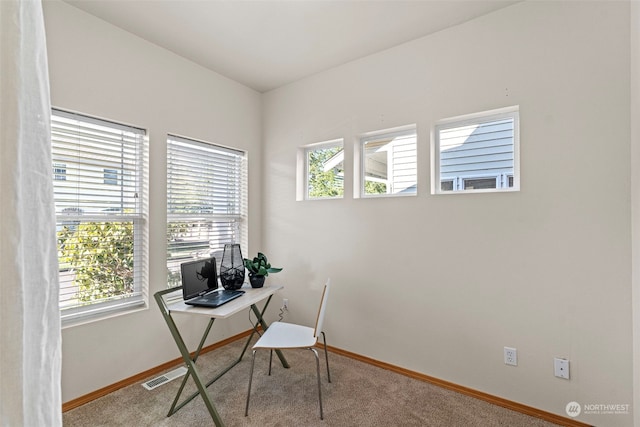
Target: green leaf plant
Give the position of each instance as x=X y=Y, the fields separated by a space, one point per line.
x=259 y=266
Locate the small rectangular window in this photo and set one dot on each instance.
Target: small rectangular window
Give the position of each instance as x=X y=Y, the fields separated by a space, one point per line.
x=111 y=176
x=388 y=163
x=59 y=172
x=479 y=152
x=324 y=170
x=478 y=183
x=446 y=185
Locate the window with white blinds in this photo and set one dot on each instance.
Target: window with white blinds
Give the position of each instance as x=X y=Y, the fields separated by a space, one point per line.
x=389 y=163
x=479 y=152
x=100 y=185
x=206 y=201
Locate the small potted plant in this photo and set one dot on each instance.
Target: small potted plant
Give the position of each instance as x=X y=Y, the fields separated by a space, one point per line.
x=258 y=269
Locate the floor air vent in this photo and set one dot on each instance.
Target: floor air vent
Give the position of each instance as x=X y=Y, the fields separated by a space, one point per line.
x=165 y=378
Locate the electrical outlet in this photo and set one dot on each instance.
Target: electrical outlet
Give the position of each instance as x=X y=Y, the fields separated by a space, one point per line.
x=285 y=304
x=510 y=356
x=561 y=368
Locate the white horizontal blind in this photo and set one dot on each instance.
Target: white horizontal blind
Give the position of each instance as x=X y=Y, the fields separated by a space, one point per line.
x=100 y=191
x=477 y=154
x=206 y=201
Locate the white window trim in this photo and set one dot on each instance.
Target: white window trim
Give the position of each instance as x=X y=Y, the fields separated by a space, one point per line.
x=302 y=169
x=359 y=166
x=470 y=119
x=82 y=314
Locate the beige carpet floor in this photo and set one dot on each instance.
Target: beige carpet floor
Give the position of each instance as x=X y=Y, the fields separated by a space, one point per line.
x=359 y=395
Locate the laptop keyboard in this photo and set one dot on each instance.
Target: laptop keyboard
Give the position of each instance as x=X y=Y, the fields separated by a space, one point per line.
x=214 y=297
x=220 y=295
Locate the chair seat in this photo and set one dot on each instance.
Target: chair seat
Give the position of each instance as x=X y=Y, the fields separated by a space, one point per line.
x=281 y=335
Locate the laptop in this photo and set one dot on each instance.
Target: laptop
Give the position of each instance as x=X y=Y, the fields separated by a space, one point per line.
x=200 y=284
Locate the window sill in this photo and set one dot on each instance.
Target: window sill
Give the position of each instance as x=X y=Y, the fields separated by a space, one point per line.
x=86 y=318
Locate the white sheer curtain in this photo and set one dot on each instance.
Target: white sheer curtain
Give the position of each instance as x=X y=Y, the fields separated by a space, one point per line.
x=30 y=337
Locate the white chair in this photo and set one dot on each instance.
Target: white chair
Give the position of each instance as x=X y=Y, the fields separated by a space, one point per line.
x=282 y=336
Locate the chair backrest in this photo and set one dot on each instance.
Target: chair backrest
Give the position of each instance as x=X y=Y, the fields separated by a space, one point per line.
x=322 y=309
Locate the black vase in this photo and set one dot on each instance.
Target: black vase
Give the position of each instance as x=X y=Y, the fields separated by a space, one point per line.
x=232 y=267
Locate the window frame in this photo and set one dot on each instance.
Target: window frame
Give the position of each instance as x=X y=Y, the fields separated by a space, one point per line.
x=184 y=148
x=360 y=190
x=512 y=113
x=79 y=313
x=304 y=169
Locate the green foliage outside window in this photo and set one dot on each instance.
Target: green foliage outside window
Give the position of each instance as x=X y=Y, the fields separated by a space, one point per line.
x=101 y=257
x=176 y=231
x=324 y=183
x=371 y=187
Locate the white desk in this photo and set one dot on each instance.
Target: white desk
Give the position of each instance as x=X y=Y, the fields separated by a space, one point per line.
x=249 y=300
x=251 y=296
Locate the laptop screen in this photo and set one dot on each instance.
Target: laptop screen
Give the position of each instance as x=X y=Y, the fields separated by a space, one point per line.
x=198 y=276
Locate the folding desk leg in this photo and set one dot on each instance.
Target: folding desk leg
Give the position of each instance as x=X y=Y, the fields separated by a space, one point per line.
x=173 y=408
x=284 y=362
x=187 y=359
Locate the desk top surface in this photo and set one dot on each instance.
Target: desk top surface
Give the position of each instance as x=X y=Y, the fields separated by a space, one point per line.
x=251 y=296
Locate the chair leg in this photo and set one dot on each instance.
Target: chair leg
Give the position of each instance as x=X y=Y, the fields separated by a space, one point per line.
x=253 y=361
x=270 y=359
x=315 y=353
x=326 y=355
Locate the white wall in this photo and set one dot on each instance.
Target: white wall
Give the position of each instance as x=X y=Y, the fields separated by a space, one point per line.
x=440 y=284
x=100 y=70
x=635 y=199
